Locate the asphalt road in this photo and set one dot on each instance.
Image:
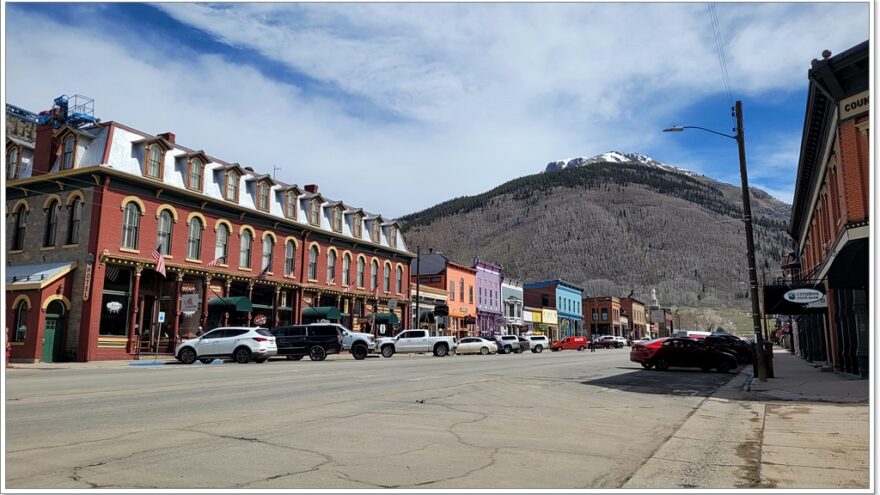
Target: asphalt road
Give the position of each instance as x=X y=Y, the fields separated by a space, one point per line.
x=551 y=420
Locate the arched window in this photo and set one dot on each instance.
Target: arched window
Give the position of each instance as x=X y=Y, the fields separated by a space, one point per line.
x=268 y=247
x=313 y=263
x=74 y=220
x=331 y=267
x=19 y=331
x=195 y=174
x=346 y=268
x=244 y=254
x=51 y=232
x=194 y=240
x=164 y=234
x=131 y=223
x=374 y=274
x=69 y=151
x=231 y=189
x=470 y=294
x=221 y=246
x=399 y=280
x=20 y=223
x=263 y=196
x=461 y=288
x=386 y=286
x=154 y=162
x=12 y=155
x=360 y=273
x=289 y=254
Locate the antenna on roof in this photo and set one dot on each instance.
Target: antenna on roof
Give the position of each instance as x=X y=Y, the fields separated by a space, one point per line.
x=274 y=169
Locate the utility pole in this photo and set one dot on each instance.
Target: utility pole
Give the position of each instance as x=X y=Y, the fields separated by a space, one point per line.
x=750 y=245
x=418 y=285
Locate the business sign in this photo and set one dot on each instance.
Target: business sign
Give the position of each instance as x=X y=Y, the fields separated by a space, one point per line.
x=855 y=105
x=441 y=310
x=549 y=316
x=189 y=304
x=260 y=319
x=803 y=296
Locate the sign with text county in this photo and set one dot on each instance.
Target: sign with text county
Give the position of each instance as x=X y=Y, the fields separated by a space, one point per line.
x=803 y=296
x=854 y=105
x=793 y=300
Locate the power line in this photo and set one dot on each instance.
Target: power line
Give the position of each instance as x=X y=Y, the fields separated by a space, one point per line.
x=719 y=51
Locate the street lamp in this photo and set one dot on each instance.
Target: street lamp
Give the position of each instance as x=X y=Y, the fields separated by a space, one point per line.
x=740 y=139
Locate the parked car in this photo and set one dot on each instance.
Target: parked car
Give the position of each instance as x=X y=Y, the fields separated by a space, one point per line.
x=415 y=341
x=524 y=344
x=643 y=340
x=622 y=341
x=320 y=339
x=608 y=342
x=507 y=344
x=240 y=343
x=538 y=342
x=731 y=343
x=681 y=352
x=475 y=345
x=579 y=343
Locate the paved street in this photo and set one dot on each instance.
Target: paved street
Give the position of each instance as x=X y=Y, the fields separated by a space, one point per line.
x=553 y=420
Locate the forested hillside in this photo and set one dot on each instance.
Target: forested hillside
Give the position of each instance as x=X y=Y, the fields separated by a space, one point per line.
x=613 y=228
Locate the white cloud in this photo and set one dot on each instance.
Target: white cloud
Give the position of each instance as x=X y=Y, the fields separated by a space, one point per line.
x=481 y=93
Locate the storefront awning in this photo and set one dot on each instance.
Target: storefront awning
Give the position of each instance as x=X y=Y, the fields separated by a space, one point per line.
x=384 y=318
x=326 y=312
x=239 y=303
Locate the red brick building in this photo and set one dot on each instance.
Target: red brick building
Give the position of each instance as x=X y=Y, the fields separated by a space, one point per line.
x=602 y=316
x=830 y=214
x=239 y=248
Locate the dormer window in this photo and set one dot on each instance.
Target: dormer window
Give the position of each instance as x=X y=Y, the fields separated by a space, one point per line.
x=314 y=212
x=194 y=172
x=263 y=196
x=337 y=219
x=153 y=161
x=230 y=186
x=290 y=204
x=374 y=231
x=392 y=236
x=13 y=159
x=69 y=153
x=356 y=226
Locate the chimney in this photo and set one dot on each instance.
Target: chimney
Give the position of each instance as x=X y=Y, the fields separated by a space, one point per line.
x=167 y=136
x=312 y=188
x=44 y=150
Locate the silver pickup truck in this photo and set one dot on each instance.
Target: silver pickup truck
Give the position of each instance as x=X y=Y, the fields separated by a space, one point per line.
x=415 y=341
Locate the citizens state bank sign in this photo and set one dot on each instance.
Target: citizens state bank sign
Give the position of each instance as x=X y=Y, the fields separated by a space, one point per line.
x=803 y=296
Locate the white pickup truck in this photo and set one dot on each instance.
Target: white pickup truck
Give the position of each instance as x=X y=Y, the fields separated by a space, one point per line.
x=415 y=341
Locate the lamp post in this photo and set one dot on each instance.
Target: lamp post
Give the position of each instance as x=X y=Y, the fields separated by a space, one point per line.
x=740 y=139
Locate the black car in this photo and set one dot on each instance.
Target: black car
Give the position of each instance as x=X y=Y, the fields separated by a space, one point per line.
x=731 y=343
x=314 y=341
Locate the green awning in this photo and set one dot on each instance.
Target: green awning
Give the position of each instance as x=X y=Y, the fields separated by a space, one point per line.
x=239 y=303
x=325 y=312
x=384 y=318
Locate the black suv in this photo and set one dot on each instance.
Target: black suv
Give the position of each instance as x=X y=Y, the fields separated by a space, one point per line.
x=314 y=341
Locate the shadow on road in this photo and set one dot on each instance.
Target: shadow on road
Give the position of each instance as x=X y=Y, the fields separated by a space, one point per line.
x=675 y=381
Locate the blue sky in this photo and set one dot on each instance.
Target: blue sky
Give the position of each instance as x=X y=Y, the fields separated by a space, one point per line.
x=396 y=107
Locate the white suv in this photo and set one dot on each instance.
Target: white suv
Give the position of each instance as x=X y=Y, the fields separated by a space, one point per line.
x=239 y=343
x=538 y=342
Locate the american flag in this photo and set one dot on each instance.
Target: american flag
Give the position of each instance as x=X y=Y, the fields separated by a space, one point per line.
x=264 y=273
x=217 y=261
x=376 y=289
x=160 y=260
x=112 y=273
x=347 y=288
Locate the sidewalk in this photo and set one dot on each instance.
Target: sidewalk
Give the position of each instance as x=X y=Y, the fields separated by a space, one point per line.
x=804 y=429
x=66 y=365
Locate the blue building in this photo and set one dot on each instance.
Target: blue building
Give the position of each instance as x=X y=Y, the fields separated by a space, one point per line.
x=567 y=300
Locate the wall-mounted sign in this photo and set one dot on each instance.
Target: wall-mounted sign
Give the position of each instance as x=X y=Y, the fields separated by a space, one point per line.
x=441 y=310
x=87 y=284
x=189 y=304
x=260 y=319
x=803 y=296
x=549 y=316
x=188 y=288
x=855 y=105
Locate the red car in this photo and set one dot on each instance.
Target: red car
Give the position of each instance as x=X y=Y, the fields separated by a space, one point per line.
x=681 y=352
x=579 y=343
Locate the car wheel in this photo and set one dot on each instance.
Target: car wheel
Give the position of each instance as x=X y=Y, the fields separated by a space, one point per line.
x=388 y=351
x=242 y=355
x=581 y=348
x=187 y=355
x=359 y=352
x=441 y=350
x=647 y=366
x=723 y=367
x=539 y=348
x=662 y=364
x=206 y=360
x=317 y=353
x=517 y=350
x=261 y=360
x=484 y=350
x=508 y=349
x=294 y=358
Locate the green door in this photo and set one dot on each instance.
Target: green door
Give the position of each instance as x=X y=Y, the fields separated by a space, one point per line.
x=48 y=354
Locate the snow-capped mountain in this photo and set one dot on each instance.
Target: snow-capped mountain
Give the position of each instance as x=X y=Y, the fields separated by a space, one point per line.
x=616 y=157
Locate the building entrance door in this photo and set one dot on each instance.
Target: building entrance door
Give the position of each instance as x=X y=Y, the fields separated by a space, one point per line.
x=52 y=331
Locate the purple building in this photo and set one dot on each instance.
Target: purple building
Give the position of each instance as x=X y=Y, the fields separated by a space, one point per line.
x=490 y=320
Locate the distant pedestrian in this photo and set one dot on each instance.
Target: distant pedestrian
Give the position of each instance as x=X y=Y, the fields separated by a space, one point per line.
x=592 y=345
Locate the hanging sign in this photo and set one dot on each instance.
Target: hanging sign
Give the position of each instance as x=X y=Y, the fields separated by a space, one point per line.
x=803 y=296
x=189 y=304
x=87 y=284
x=260 y=319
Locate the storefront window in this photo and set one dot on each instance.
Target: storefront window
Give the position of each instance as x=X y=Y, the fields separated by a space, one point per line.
x=346 y=267
x=115 y=303
x=360 y=273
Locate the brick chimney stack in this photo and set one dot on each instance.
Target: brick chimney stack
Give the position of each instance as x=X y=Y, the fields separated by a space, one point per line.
x=312 y=188
x=44 y=150
x=167 y=136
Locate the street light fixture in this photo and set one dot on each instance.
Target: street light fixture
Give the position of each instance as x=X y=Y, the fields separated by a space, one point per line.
x=740 y=139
